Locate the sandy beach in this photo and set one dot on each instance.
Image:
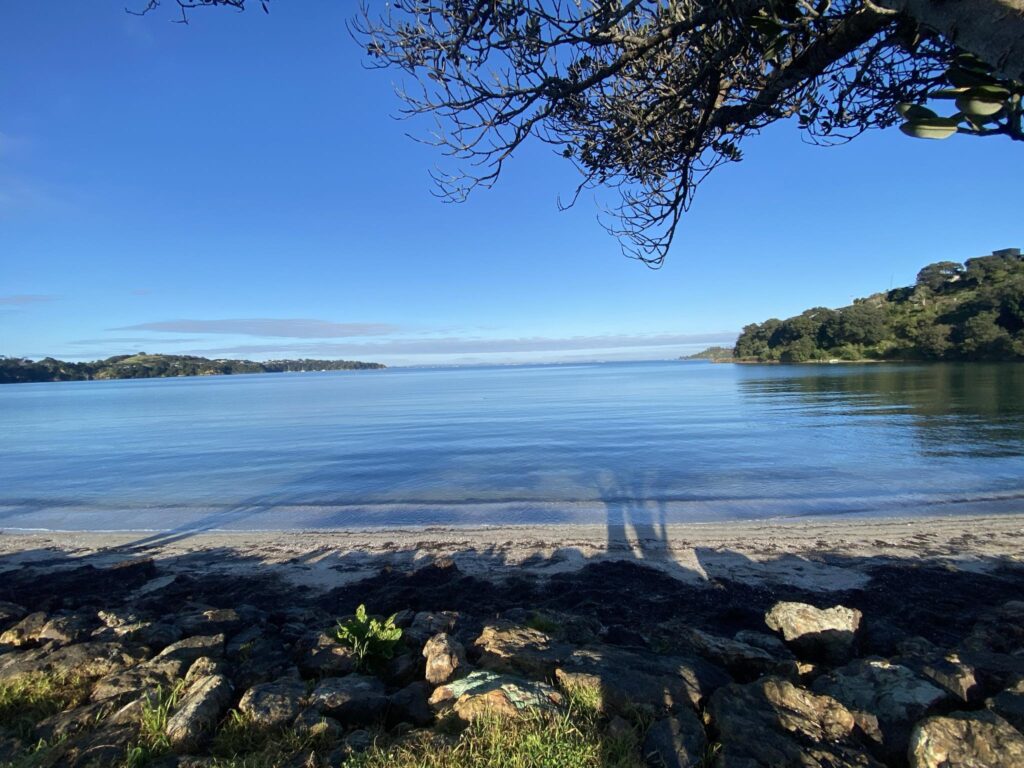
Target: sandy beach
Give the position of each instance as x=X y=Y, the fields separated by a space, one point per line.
x=818 y=554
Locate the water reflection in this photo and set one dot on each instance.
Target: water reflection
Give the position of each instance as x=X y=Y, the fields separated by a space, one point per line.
x=953 y=409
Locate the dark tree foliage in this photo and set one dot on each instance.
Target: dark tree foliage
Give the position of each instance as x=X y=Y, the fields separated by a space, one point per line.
x=15 y=370
x=936 y=276
x=972 y=311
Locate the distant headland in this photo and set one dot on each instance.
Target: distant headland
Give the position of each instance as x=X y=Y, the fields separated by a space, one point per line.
x=953 y=312
x=15 y=370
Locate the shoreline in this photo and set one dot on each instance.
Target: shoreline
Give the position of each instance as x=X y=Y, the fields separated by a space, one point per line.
x=821 y=554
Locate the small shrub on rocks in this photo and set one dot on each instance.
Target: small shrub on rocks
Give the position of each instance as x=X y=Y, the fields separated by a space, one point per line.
x=371 y=640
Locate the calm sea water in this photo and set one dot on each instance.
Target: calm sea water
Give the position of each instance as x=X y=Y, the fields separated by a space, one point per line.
x=633 y=442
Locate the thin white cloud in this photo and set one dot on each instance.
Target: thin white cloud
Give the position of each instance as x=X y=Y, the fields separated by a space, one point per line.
x=292 y=328
x=133 y=340
x=470 y=346
x=21 y=299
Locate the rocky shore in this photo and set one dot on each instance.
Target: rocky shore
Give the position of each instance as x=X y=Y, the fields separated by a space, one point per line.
x=133 y=663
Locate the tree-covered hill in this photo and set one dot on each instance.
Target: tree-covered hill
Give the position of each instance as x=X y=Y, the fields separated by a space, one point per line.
x=142 y=366
x=969 y=311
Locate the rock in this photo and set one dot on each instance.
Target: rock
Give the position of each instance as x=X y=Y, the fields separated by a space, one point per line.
x=743 y=661
x=358 y=741
x=272 y=705
x=319 y=726
x=106 y=745
x=191 y=648
x=142 y=679
x=153 y=586
x=426 y=624
x=578 y=630
x=65 y=629
x=202 y=667
x=92 y=659
x=267 y=660
x=509 y=648
x=210 y=622
x=1009 y=705
x=966 y=740
x=766 y=642
x=623 y=681
x=198 y=712
x=445 y=657
x=886 y=699
x=772 y=723
x=239 y=647
x=66 y=724
x=26 y=631
x=321 y=655
x=487 y=693
x=126 y=626
x=403 y=669
x=953 y=676
x=816 y=633
x=619 y=634
x=156 y=635
x=10 y=613
x=353 y=700
x=675 y=742
x=411 y=705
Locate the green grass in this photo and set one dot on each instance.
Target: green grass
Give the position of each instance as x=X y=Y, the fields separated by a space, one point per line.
x=153 y=742
x=27 y=700
x=241 y=742
x=572 y=739
x=544 y=623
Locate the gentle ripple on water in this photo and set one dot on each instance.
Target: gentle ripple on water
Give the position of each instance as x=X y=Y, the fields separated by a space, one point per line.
x=646 y=442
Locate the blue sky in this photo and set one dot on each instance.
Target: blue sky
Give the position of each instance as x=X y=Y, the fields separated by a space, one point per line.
x=238 y=188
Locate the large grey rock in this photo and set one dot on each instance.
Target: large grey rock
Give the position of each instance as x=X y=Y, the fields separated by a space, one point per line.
x=210 y=622
x=192 y=648
x=966 y=740
x=198 y=713
x=26 y=631
x=321 y=655
x=445 y=657
x=676 y=742
x=92 y=659
x=353 y=700
x=310 y=722
x=66 y=628
x=272 y=705
x=411 y=705
x=509 y=648
x=484 y=693
x=623 y=681
x=742 y=660
x=1009 y=704
x=886 y=699
x=952 y=675
x=142 y=679
x=772 y=723
x=816 y=633
x=426 y=624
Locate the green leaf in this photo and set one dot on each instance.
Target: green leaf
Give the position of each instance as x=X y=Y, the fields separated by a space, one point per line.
x=930 y=128
x=914 y=111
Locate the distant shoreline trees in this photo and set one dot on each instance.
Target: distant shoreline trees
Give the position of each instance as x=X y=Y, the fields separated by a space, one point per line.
x=15 y=370
x=970 y=311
